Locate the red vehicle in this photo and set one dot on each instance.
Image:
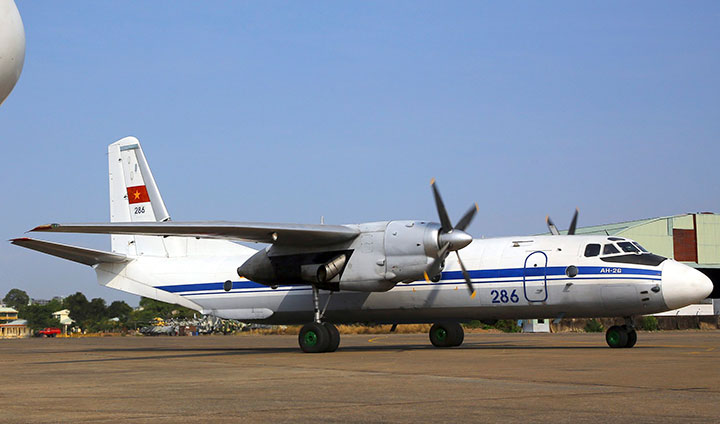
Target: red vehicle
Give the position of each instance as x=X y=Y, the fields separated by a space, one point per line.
x=49 y=332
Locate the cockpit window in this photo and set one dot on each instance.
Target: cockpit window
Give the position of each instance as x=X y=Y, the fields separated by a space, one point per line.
x=642 y=249
x=609 y=249
x=592 y=250
x=628 y=247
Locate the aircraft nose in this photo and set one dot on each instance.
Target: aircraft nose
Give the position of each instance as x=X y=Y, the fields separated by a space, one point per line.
x=683 y=285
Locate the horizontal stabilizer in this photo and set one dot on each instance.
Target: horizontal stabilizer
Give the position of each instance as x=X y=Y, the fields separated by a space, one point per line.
x=285 y=234
x=71 y=253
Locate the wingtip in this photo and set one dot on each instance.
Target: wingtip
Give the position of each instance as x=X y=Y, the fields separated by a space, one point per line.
x=432 y=181
x=477 y=208
x=426 y=277
x=17 y=239
x=547 y=219
x=472 y=296
x=45 y=227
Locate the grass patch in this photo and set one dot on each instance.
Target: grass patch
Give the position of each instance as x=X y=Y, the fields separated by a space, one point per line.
x=649 y=323
x=594 y=326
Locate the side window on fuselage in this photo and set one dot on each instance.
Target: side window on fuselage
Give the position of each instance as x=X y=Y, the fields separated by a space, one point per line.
x=642 y=249
x=628 y=247
x=609 y=249
x=592 y=250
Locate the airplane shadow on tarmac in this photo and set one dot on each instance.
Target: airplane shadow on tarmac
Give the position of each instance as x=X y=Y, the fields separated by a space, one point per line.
x=193 y=352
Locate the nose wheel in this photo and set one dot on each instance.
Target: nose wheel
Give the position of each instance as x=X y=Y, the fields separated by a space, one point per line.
x=319 y=336
x=621 y=336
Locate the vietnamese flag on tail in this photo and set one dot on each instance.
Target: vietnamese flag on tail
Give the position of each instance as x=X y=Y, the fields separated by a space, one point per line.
x=137 y=194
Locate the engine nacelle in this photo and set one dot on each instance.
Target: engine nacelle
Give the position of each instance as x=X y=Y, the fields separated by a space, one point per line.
x=410 y=246
x=384 y=254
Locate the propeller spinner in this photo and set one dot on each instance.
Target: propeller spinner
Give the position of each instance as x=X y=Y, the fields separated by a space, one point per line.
x=451 y=238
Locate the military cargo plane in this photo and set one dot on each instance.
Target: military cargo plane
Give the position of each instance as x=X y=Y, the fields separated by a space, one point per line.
x=382 y=272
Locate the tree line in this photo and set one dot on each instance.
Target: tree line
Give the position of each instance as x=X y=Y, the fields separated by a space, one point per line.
x=92 y=315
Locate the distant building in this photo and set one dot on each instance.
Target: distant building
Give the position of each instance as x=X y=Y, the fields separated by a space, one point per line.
x=536 y=326
x=14 y=329
x=64 y=317
x=7 y=315
x=43 y=302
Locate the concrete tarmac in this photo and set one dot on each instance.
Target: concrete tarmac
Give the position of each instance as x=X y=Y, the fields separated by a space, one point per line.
x=560 y=378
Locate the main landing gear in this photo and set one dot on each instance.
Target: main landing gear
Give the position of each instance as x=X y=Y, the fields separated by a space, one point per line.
x=319 y=336
x=446 y=334
x=619 y=336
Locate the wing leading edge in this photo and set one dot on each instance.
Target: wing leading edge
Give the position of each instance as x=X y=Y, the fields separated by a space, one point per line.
x=284 y=234
x=72 y=253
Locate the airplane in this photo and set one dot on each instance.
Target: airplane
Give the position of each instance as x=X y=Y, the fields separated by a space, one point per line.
x=399 y=271
x=12 y=47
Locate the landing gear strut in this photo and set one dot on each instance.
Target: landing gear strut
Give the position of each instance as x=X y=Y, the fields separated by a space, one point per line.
x=446 y=334
x=319 y=336
x=619 y=336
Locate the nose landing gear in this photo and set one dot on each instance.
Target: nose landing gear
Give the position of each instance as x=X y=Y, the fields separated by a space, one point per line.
x=621 y=336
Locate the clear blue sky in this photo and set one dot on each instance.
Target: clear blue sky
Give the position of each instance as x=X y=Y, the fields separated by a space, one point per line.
x=286 y=111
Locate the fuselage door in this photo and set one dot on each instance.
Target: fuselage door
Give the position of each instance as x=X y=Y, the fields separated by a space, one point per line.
x=535 y=277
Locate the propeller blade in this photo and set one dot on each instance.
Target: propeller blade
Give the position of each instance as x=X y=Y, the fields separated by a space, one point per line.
x=551 y=226
x=573 y=223
x=465 y=220
x=442 y=212
x=471 y=289
x=435 y=266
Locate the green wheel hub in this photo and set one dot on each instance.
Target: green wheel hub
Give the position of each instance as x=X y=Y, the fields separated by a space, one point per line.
x=614 y=337
x=311 y=338
x=441 y=334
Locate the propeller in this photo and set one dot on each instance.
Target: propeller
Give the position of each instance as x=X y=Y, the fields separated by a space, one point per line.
x=571 y=230
x=451 y=238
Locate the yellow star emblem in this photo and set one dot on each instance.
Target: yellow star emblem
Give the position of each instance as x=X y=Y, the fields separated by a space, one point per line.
x=137 y=195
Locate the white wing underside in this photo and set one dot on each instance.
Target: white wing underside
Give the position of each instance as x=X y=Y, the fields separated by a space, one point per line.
x=284 y=234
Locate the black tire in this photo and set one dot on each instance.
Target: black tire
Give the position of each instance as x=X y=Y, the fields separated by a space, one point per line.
x=616 y=337
x=459 y=334
x=631 y=336
x=334 y=337
x=446 y=334
x=314 y=338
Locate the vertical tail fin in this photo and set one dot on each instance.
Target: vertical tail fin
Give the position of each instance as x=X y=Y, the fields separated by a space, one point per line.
x=134 y=197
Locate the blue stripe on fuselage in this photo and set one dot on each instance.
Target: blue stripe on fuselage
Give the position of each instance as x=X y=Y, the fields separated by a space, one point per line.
x=583 y=271
x=549 y=271
x=212 y=286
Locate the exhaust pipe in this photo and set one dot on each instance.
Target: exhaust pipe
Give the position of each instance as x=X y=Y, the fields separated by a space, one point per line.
x=319 y=274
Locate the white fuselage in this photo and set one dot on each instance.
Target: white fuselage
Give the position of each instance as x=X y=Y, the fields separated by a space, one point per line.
x=515 y=278
x=12 y=47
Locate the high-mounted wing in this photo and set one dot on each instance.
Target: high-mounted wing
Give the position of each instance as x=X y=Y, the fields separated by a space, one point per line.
x=284 y=234
x=73 y=253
